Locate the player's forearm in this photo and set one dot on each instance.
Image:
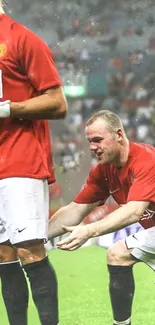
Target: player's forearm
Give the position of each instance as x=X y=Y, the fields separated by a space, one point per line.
x=120 y=218
x=46 y=106
x=64 y=216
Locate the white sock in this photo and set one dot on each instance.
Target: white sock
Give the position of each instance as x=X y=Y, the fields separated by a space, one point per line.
x=124 y=322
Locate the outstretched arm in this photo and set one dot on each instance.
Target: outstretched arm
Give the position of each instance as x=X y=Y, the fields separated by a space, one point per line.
x=71 y=214
x=122 y=217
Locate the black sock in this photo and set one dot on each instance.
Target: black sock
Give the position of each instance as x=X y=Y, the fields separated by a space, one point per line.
x=14 y=292
x=43 y=282
x=121 y=288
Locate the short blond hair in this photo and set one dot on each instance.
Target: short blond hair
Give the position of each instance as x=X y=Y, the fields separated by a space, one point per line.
x=112 y=119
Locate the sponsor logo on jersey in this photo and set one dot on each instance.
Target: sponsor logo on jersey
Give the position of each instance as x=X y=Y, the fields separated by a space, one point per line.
x=148 y=214
x=3 y=49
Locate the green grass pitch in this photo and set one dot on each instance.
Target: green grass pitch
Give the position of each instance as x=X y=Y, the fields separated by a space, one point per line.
x=83 y=290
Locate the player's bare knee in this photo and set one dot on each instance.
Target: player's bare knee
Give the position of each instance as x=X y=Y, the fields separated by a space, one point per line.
x=113 y=258
x=31 y=251
x=118 y=254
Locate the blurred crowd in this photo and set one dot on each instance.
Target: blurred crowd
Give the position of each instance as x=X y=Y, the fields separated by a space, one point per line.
x=112 y=38
x=82 y=33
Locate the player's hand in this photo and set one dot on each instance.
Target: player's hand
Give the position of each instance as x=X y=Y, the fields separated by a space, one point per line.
x=78 y=236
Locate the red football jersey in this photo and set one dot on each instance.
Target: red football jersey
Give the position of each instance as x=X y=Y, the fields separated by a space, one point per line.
x=27 y=69
x=133 y=182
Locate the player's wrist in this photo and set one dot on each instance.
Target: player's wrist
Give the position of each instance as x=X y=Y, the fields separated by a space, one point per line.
x=92 y=231
x=5 y=109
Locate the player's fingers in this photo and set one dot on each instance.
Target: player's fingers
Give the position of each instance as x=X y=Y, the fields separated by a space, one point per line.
x=65 y=241
x=69 y=247
x=62 y=248
x=74 y=247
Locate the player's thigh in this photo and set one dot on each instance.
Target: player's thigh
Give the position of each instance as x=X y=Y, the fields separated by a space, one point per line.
x=26 y=209
x=7 y=253
x=31 y=251
x=142 y=246
x=119 y=254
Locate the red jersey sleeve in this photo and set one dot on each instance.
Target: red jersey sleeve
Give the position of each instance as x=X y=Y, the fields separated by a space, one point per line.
x=94 y=189
x=36 y=59
x=143 y=187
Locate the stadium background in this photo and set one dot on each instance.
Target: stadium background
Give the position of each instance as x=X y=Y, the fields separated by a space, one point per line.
x=105 y=54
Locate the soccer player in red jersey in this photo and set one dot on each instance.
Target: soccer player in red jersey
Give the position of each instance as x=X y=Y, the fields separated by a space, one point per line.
x=126 y=171
x=30 y=94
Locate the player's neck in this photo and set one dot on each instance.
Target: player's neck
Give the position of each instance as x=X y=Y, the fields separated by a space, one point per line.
x=123 y=155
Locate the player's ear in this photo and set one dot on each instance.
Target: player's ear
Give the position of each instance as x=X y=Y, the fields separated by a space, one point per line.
x=119 y=135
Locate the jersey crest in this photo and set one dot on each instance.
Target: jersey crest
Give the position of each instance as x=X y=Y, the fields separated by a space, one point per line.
x=3 y=49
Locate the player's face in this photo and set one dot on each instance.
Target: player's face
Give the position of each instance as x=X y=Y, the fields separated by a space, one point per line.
x=105 y=145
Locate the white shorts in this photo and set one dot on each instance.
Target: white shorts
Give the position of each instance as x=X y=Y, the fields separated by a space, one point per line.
x=143 y=244
x=24 y=209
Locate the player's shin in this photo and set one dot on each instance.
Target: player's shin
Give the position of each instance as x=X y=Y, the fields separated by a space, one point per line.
x=43 y=282
x=14 y=292
x=121 y=288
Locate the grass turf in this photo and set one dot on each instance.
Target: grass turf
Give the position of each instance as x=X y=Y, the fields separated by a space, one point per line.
x=83 y=290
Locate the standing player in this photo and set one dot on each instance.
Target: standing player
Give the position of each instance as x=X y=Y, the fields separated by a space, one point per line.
x=127 y=172
x=30 y=94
